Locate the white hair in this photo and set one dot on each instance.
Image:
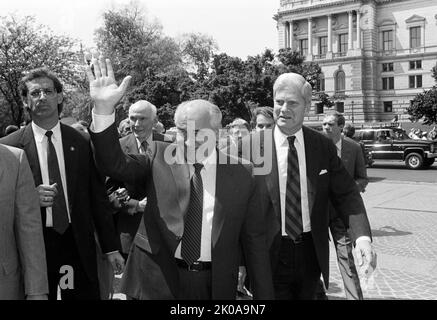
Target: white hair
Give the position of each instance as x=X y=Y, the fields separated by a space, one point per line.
x=215 y=114
x=287 y=79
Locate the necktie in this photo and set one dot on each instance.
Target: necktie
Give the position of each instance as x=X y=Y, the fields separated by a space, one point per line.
x=293 y=209
x=59 y=208
x=190 y=247
x=145 y=147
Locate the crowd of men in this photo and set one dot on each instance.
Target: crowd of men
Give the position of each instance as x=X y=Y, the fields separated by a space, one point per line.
x=180 y=218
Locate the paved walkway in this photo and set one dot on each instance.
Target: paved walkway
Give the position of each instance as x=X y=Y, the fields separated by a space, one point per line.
x=403 y=217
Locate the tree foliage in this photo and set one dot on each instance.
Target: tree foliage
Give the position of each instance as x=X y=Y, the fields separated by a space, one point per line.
x=25 y=45
x=424 y=106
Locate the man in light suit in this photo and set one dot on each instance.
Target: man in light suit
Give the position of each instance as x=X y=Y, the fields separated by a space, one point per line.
x=23 y=272
x=71 y=192
x=306 y=174
x=352 y=157
x=195 y=231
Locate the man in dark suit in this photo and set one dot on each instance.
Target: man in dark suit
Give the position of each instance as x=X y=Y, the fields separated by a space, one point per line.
x=352 y=157
x=305 y=175
x=71 y=193
x=195 y=229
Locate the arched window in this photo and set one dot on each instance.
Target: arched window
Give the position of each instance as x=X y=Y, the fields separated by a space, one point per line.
x=340 y=81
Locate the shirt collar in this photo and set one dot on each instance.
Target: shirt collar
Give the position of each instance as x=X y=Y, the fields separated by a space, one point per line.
x=281 y=138
x=149 y=140
x=40 y=133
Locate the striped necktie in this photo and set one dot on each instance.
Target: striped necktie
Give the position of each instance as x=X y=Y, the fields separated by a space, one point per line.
x=190 y=247
x=293 y=209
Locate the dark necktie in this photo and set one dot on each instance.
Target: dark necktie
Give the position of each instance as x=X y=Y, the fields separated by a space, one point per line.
x=293 y=209
x=59 y=208
x=145 y=147
x=190 y=247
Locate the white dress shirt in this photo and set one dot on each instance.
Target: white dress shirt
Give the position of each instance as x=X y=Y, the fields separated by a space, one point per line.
x=282 y=145
x=208 y=174
x=338 y=145
x=41 y=141
x=140 y=147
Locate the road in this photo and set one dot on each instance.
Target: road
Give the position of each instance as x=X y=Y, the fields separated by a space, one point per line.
x=397 y=171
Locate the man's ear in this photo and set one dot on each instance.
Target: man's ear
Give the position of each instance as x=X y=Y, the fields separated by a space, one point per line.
x=60 y=97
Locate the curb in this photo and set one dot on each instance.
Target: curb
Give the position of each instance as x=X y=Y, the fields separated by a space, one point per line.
x=404 y=182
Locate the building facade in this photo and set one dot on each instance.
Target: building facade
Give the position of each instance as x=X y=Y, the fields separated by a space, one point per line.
x=375 y=55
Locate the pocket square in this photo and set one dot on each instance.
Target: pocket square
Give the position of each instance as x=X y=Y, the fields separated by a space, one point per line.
x=323 y=171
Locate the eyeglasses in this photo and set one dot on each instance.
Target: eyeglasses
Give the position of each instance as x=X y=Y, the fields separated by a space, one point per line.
x=48 y=92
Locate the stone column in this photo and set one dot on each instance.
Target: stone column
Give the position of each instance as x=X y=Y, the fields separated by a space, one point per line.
x=329 y=51
x=310 y=39
x=291 y=34
x=286 y=35
x=350 y=33
x=358 y=30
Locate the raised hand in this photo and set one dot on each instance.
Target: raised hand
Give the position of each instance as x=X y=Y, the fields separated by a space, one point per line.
x=103 y=88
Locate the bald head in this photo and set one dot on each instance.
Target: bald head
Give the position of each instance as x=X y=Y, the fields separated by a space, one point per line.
x=142 y=118
x=202 y=116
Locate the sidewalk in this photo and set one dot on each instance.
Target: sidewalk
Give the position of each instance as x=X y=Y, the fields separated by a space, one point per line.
x=403 y=217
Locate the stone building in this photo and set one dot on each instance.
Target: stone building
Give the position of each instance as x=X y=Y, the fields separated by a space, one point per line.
x=375 y=55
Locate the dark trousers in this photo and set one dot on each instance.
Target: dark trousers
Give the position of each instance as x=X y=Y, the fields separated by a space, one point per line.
x=61 y=250
x=297 y=272
x=195 y=285
x=345 y=258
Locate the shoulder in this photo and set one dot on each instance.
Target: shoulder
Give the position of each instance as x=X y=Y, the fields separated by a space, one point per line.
x=10 y=153
x=13 y=138
x=351 y=143
x=316 y=136
x=126 y=139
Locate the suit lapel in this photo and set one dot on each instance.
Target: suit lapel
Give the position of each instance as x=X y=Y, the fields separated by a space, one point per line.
x=29 y=146
x=131 y=145
x=311 y=157
x=70 y=159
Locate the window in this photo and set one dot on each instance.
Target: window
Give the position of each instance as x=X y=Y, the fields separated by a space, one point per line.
x=320 y=84
x=319 y=108
x=340 y=81
x=387 y=40
x=323 y=45
x=339 y=107
x=387 y=67
x=368 y=135
x=415 y=40
x=304 y=47
x=415 y=81
x=388 y=83
x=388 y=106
x=416 y=64
x=342 y=42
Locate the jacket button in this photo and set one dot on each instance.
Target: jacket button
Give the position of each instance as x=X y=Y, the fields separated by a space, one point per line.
x=178 y=238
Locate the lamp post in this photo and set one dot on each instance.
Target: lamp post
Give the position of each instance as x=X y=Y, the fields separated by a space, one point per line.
x=352 y=105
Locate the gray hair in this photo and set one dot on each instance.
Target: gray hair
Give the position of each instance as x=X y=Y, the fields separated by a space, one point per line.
x=145 y=104
x=287 y=79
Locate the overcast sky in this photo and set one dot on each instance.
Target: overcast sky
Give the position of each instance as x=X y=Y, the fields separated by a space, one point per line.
x=240 y=27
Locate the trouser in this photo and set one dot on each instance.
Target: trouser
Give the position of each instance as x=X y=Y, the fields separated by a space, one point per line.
x=345 y=258
x=74 y=283
x=297 y=272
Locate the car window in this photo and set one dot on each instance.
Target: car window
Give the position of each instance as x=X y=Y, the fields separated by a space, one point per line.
x=368 y=135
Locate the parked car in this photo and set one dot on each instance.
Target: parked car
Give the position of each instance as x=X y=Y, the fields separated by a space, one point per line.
x=394 y=144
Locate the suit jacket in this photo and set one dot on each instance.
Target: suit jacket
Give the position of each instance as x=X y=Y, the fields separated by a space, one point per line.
x=237 y=220
x=88 y=203
x=23 y=269
x=353 y=161
x=127 y=225
x=328 y=180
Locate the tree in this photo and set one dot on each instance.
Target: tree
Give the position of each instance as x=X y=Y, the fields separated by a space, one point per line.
x=135 y=44
x=24 y=45
x=197 y=50
x=424 y=105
